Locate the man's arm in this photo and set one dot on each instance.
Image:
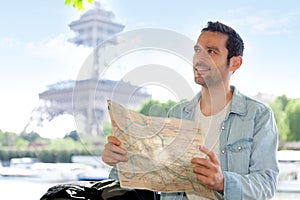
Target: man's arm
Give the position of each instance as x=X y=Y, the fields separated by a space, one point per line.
x=261 y=181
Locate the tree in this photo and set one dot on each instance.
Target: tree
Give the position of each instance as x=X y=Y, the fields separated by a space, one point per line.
x=20 y=142
x=73 y=135
x=7 y=138
x=30 y=137
x=287 y=116
x=59 y=144
x=78 y=4
x=293 y=119
x=156 y=108
x=278 y=106
x=107 y=129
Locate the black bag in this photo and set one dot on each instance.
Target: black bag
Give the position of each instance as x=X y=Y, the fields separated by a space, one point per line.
x=101 y=190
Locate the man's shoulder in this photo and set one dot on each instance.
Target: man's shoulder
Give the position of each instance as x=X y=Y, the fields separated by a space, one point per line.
x=245 y=105
x=254 y=103
x=184 y=109
x=176 y=110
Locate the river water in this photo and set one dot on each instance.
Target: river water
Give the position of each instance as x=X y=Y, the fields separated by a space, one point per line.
x=16 y=189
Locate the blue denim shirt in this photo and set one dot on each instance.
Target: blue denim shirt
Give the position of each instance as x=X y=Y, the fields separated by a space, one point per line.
x=248 y=148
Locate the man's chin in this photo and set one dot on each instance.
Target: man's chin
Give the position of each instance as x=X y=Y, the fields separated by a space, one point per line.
x=200 y=82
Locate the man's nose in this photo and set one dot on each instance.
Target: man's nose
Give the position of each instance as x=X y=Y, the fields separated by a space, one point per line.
x=200 y=56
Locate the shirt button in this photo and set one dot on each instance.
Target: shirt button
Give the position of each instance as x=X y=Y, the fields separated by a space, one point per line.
x=223 y=127
x=223 y=151
x=239 y=148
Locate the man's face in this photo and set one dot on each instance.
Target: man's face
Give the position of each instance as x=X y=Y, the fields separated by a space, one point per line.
x=210 y=59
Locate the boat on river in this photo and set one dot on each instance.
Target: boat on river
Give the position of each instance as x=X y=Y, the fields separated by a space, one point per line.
x=289 y=176
x=31 y=169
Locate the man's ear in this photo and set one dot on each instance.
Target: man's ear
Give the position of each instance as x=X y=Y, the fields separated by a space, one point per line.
x=235 y=63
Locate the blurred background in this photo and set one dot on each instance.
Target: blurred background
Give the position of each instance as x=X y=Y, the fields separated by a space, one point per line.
x=45 y=45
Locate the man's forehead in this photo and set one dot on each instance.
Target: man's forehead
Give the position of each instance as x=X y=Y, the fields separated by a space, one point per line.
x=211 y=34
x=212 y=38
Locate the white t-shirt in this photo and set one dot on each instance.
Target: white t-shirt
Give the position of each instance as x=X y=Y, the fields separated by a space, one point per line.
x=210 y=126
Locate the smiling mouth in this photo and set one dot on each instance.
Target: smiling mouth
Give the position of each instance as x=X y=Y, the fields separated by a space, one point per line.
x=201 y=69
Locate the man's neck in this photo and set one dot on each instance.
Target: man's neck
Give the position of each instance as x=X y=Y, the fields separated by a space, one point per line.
x=213 y=100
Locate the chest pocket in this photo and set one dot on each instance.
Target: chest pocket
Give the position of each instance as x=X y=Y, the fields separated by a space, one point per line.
x=239 y=155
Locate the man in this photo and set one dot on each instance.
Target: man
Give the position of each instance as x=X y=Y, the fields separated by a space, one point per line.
x=241 y=134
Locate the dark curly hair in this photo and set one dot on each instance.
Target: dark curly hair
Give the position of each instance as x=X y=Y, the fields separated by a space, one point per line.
x=234 y=45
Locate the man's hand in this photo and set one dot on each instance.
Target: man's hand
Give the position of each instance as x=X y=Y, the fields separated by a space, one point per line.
x=208 y=170
x=113 y=152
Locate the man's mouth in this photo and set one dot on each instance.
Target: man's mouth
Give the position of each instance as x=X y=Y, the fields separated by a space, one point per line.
x=200 y=68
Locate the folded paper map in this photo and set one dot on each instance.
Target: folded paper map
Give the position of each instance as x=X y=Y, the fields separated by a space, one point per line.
x=159 y=151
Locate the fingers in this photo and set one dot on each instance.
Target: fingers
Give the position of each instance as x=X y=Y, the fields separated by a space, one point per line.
x=208 y=163
x=113 y=140
x=202 y=162
x=201 y=170
x=115 y=145
x=209 y=182
x=212 y=163
x=210 y=154
x=113 y=152
x=208 y=170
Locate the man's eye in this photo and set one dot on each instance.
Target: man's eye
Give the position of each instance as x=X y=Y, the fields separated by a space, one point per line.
x=211 y=51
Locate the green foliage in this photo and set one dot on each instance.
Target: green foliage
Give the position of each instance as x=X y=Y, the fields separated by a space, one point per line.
x=4 y=155
x=287 y=116
x=73 y=135
x=107 y=129
x=278 y=106
x=30 y=137
x=156 y=108
x=7 y=138
x=62 y=144
x=32 y=145
x=293 y=120
x=20 y=142
x=78 y=4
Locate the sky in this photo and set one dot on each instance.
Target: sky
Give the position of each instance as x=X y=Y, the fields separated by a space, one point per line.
x=35 y=51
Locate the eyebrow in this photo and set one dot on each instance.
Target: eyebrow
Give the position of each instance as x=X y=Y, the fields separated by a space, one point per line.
x=208 y=47
x=213 y=48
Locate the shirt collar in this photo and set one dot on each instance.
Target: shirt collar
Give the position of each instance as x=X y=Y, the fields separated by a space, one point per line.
x=237 y=105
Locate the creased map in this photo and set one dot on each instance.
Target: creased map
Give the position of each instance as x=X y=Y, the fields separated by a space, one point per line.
x=159 y=151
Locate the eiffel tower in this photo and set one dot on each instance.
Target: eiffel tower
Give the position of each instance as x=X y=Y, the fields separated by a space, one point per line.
x=93 y=27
